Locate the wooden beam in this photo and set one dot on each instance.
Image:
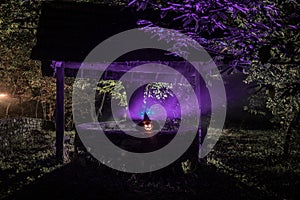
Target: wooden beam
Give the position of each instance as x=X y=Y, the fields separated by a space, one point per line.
x=122 y=67
x=60 y=113
x=116 y=70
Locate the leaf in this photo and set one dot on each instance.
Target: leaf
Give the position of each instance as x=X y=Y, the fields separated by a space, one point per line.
x=222 y=15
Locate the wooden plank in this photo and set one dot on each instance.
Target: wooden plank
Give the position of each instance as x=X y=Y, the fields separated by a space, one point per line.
x=60 y=113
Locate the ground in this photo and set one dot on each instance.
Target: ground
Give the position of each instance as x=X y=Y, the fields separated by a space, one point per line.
x=245 y=164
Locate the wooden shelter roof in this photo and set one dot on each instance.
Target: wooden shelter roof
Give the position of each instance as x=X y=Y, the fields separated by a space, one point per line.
x=68 y=31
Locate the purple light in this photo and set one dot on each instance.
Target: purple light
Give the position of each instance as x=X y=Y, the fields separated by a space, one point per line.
x=155 y=109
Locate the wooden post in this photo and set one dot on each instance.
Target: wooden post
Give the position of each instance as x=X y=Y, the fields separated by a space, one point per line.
x=205 y=108
x=60 y=113
x=198 y=94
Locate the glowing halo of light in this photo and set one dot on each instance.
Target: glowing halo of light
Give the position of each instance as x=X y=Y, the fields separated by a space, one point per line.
x=133 y=86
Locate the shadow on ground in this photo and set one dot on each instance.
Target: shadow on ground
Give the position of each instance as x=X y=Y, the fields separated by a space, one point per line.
x=89 y=180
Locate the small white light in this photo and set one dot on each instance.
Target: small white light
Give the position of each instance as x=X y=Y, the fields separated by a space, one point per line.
x=2 y=95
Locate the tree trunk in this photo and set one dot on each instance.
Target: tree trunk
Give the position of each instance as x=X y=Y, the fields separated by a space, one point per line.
x=50 y=114
x=288 y=135
x=22 y=109
x=7 y=109
x=101 y=106
x=44 y=111
x=36 y=109
x=9 y=104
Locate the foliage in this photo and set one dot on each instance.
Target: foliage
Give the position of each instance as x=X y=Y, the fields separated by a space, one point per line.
x=20 y=76
x=236 y=31
x=257 y=38
x=158 y=90
x=108 y=2
x=113 y=88
x=15 y=37
x=276 y=66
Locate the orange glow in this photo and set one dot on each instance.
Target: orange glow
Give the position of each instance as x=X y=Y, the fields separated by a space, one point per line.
x=2 y=95
x=148 y=125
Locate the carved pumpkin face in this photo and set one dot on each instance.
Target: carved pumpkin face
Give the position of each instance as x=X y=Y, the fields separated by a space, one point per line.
x=148 y=125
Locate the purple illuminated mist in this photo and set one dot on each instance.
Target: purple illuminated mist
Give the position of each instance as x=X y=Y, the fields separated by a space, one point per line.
x=156 y=110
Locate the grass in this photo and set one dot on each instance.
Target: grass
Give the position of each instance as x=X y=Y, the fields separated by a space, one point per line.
x=24 y=158
x=254 y=157
x=244 y=164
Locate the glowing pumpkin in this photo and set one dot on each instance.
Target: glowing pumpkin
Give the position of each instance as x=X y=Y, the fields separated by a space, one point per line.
x=148 y=125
